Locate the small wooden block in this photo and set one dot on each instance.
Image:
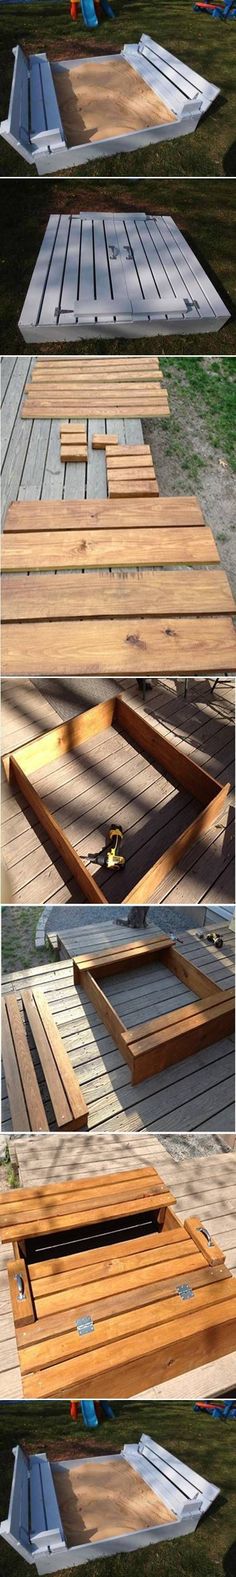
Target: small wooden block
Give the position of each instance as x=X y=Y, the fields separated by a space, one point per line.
x=102 y=441
x=70 y=452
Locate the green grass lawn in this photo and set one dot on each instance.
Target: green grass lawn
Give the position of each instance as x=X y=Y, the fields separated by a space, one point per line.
x=196 y=39
x=209 y=386
x=207 y=1445
x=19 y=927
x=205 y=212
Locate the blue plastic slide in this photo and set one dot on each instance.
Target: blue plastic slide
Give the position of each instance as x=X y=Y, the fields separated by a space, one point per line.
x=87 y=1408
x=89 y=14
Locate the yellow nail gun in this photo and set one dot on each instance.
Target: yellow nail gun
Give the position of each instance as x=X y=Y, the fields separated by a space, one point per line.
x=110 y=854
x=113 y=856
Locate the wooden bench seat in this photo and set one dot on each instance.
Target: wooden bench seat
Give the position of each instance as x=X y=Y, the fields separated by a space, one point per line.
x=26 y=1104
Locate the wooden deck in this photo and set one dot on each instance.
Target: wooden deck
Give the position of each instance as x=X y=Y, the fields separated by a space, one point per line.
x=203 y=723
x=203 y=1185
x=195 y=1093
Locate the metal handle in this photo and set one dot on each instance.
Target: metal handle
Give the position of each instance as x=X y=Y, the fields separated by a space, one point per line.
x=20 y=1286
x=206 y=1235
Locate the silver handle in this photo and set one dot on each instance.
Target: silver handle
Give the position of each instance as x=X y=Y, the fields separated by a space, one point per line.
x=20 y=1286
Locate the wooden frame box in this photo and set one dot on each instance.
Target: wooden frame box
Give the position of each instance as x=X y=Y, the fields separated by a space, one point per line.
x=141 y=1496
x=145 y=735
x=110 y=1292
x=159 y=1042
x=66 y=112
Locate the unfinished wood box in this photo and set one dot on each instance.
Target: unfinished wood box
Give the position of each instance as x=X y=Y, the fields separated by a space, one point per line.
x=158 y=1042
x=84 y=1510
x=118 y=723
x=110 y=1293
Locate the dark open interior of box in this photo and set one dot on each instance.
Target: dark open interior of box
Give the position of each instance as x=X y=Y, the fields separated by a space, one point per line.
x=51 y=1245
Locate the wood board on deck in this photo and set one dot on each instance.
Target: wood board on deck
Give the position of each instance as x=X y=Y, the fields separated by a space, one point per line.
x=74 y=535
x=62 y=1347
x=22 y=767
x=88 y=386
x=137 y=272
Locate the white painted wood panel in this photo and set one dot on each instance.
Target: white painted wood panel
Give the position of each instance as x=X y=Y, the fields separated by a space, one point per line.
x=117 y=274
x=34 y=126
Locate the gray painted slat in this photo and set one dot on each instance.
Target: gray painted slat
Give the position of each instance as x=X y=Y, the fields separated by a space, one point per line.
x=7 y=367
x=12 y=401
x=52 y=484
x=31 y=482
x=70 y=281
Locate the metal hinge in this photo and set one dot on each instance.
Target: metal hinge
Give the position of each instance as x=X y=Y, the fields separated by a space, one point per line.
x=84 y=1325
x=185 y=1291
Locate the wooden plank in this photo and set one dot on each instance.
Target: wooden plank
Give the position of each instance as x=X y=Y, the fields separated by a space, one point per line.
x=22 y=1307
x=119 y=1334
x=138 y=489
x=79 y=1216
x=24 y=1068
x=139 y=1032
x=55 y=550
x=59 y=837
x=124 y=1257
x=113 y=1199
x=67 y=1100
x=211 y=1250
x=118 y=1292
x=125 y=956
x=153 y=1054
x=37 y=598
x=45 y=1191
x=191 y=646
x=125 y=1365
x=16 y=1097
x=103 y=441
x=75 y=514
x=91 y=404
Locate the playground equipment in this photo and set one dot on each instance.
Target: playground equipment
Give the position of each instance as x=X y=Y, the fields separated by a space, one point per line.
x=90 y=1412
x=217 y=1409
x=91 y=11
x=225 y=12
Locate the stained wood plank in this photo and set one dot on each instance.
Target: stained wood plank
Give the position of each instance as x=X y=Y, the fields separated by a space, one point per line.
x=188 y=646
x=145 y=594
x=35 y=1117
x=70 y=515
x=56 y=1065
x=97 y=548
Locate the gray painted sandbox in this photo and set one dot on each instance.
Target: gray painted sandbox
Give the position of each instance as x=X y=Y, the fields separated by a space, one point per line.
x=123 y=274
x=40 y=1489
x=64 y=113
